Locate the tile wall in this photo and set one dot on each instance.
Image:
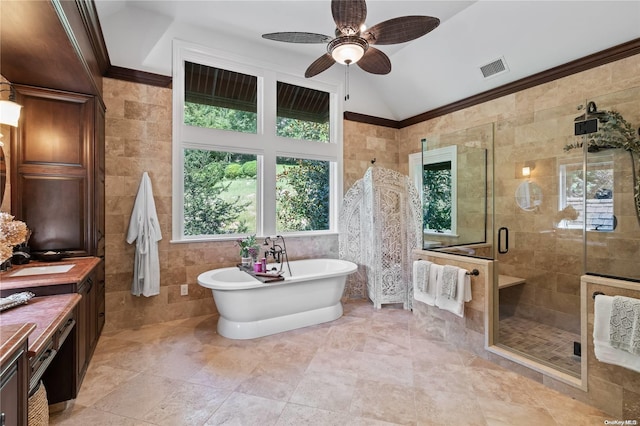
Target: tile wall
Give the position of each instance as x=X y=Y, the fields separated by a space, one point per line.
x=138 y=139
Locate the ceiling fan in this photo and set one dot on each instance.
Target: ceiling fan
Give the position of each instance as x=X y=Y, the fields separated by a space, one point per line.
x=353 y=42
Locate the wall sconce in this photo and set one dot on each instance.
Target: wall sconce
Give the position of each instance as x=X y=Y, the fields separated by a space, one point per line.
x=528 y=167
x=9 y=109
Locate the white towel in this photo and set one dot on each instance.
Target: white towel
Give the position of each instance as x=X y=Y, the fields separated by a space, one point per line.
x=144 y=228
x=424 y=281
x=449 y=282
x=463 y=294
x=624 y=324
x=602 y=347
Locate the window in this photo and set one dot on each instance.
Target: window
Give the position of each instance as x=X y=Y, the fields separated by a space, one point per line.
x=302 y=196
x=435 y=171
x=246 y=151
x=219 y=192
x=303 y=113
x=220 y=99
x=599 y=196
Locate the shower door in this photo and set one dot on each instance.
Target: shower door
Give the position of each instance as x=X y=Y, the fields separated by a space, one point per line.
x=537 y=242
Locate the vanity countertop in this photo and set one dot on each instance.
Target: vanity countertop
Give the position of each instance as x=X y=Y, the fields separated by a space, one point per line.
x=82 y=267
x=47 y=313
x=12 y=336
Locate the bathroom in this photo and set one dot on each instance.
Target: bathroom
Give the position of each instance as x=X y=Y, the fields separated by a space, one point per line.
x=147 y=117
x=555 y=101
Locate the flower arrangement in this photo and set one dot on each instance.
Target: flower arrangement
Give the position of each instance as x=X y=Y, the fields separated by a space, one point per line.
x=12 y=233
x=249 y=246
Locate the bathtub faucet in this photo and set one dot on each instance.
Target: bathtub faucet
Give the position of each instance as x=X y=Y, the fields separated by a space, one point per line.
x=277 y=251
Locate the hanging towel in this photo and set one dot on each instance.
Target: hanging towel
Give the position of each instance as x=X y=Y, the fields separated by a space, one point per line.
x=145 y=230
x=424 y=281
x=624 y=324
x=449 y=282
x=463 y=293
x=601 y=337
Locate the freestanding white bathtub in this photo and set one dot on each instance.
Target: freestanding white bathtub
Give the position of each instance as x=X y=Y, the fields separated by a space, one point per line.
x=249 y=308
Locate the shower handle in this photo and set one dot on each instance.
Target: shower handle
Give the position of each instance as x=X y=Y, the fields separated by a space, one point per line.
x=504 y=231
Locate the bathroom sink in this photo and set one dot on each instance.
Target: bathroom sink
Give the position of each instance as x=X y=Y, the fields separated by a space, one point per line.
x=42 y=270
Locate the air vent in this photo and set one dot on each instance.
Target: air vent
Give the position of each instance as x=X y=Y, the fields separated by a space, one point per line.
x=498 y=66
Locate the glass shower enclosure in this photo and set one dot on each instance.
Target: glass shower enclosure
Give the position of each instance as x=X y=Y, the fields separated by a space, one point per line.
x=562 y=201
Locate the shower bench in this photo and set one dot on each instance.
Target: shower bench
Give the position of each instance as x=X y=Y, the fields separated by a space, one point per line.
x=508 y=281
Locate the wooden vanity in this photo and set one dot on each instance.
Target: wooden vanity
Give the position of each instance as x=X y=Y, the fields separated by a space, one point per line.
x=61 y=324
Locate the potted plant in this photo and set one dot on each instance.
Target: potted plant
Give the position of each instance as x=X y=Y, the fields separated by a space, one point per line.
x=249 y=249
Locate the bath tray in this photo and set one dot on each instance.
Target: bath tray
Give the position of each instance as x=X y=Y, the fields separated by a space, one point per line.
x=262 y=278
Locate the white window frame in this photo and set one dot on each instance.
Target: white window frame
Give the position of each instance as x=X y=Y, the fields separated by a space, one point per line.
x=581 y=222
x=265 y=144
x=432 y=156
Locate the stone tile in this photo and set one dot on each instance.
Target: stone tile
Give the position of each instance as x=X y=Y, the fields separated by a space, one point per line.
x=241 y=409
x=383 y=401
x=437 y=407
x=507 y=414
x=138 y=396
x=297 y=415
x=328 y=390
x=188 y=404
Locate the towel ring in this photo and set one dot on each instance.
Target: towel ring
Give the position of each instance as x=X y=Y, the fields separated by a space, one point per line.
x=597 y=293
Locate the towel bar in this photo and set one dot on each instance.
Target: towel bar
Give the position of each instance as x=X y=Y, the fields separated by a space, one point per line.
x=473 y=272
x=597 y=293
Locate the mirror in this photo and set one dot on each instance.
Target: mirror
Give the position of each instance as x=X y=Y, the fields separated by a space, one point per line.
x=528 y=196
x=3 y=174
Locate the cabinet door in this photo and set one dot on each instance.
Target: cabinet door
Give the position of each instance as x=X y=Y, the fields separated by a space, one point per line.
x=82 y=325
x=14 y=389
x=53 y=161
x=9 y=395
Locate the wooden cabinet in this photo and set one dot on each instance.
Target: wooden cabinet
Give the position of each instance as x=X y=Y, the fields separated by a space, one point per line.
x=10 y=395
x=88 y=332
x=64 y=376
x=58 y=179
x=57 y=189
x=14 y=374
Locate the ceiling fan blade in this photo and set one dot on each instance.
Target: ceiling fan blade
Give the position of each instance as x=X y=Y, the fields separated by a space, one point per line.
x=349 y=15
x=400 y=30
x=323 y=63
x=298 y=37
x=375 y=61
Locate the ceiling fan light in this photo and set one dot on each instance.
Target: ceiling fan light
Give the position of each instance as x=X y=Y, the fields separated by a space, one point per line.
x=347 y=50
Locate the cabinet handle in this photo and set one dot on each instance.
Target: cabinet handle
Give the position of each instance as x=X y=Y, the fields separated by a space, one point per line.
x=2 y=421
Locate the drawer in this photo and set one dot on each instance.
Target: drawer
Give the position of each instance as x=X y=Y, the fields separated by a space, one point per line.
x=40 y=362
x=63 y=331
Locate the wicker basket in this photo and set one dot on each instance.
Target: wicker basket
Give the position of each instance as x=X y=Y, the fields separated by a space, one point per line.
x=38 y=407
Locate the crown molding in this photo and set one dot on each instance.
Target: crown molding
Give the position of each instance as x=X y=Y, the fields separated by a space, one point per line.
x=597 y=59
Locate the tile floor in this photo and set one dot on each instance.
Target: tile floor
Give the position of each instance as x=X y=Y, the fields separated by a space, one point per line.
x=541 y=342
x=367 y=368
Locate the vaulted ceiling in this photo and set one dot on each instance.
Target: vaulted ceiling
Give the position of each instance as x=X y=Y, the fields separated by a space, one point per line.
x=437 y=69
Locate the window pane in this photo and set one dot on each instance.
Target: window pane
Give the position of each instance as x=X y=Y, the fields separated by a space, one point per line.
x=302 y=113
x=436 y=206
x=220 y=99
x=219 y=192
x=599 y=196
x=302 y=194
